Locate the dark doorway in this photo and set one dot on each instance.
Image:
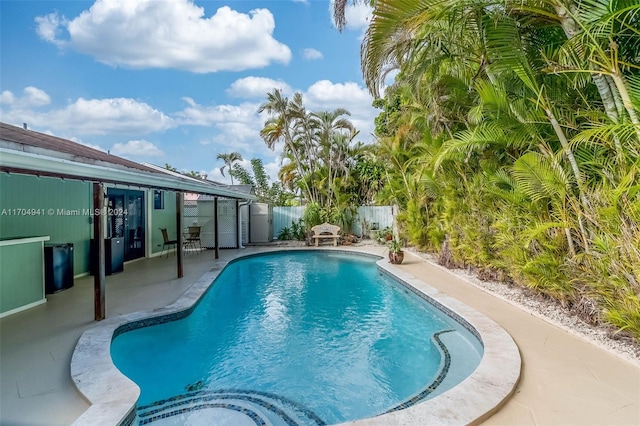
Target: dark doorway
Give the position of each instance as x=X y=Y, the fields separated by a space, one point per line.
x=126 y=220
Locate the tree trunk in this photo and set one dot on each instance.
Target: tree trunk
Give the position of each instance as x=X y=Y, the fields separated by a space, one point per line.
x=566 y=13
x=626 y=101
x=576 y=171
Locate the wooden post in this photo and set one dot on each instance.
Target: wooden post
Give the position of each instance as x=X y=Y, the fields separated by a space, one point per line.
x=99 y=253
x=179 y=207
x=215 y=225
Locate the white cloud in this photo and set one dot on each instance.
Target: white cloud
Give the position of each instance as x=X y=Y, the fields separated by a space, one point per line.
x=36 y=97
x=104 y=116
x=311 y=54
x=85 y=116
x=168 y=34
x=91 y=145
x=6 y=97
x=32 y=97
x=137 y=148
x=49 y=27
x=301 y=1
x=237 y=127
x=271 y=169
x=358 y=16
x=256 y=87
x=201 y=115
x=325 y=95
x=215 y=175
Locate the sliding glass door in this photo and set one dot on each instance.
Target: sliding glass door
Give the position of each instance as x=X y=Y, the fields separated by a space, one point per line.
x=126 y=220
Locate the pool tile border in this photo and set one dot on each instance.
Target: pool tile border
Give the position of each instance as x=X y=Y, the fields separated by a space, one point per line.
x=161 y=405
x=257 y=419
x=207 y=397
x=113 y=396
x=439 y=379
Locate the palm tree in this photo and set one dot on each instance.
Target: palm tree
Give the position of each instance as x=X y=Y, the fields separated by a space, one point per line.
x=332 y=133
x=282 y=126
x=229 y=159
x=599 y=44
x=533 y=113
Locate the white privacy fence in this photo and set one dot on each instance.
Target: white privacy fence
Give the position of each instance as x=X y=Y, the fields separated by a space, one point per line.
x=284 y=216
x=382 y=216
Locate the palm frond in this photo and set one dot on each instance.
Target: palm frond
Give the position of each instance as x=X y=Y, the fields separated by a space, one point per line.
x=540 y=178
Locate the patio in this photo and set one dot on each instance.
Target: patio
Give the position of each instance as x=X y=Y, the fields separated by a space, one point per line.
x=565 y=379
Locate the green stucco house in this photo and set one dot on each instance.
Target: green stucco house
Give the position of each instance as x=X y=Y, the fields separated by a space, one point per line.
x=48 y=197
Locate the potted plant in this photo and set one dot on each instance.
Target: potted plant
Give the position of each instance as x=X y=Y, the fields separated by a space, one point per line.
x=396 y=255
x=385 y=235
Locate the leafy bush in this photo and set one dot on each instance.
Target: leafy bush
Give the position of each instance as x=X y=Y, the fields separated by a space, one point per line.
x=315 y=215
x=295 y=232
x=284 y=234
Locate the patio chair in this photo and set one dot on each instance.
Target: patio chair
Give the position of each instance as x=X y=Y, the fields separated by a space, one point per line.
x=167 y=242
x=192 y=238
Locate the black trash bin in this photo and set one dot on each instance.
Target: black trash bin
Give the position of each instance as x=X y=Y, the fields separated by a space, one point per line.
x=58 y=267
x=113 y=253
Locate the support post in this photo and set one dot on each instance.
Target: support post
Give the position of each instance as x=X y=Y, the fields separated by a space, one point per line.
x=179 y=207
x=215 y=225
x=99 y=253
x=238 y=242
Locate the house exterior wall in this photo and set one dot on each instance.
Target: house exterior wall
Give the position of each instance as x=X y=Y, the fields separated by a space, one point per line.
x=21 y=284
x=60 y=209
x=163 y=218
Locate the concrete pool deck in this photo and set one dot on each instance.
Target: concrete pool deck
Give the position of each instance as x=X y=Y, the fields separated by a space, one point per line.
x=565 y=380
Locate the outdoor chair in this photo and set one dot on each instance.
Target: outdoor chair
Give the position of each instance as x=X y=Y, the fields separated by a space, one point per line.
x=167 y=242
x=192 y=238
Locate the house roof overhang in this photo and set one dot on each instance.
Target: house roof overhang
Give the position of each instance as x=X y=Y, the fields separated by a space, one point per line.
x=21 y=153
x=39 y=165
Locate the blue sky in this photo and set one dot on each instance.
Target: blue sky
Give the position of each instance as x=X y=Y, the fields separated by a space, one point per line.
x=175 y=81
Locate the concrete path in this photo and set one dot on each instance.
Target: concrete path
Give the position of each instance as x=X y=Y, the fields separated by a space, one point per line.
x=566 y=380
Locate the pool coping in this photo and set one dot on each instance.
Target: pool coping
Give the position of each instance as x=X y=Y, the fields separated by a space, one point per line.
x=113 y=396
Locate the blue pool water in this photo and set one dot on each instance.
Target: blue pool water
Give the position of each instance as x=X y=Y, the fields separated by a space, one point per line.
x=295 y=338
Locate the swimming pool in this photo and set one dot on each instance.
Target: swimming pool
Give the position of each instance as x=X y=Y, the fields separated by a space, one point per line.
x=296 y=338
x=113 y=396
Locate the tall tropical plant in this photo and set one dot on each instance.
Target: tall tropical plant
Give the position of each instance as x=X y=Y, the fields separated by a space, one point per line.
x=229 y=159
x=282 y=126
x=509 y=127
x=267 y=192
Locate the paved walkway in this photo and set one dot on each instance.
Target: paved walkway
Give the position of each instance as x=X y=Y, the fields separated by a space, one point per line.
x=566 y=380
